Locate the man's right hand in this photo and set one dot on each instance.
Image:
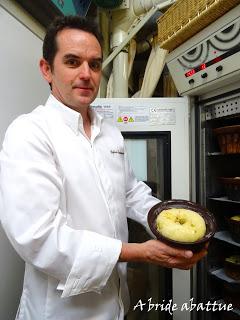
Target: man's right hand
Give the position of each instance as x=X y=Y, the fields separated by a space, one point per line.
x=156 y=252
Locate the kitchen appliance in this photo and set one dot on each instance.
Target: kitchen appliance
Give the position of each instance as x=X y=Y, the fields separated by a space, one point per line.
x=207 y=68
x=210 y=59
x=156 y=132
x=217 y=174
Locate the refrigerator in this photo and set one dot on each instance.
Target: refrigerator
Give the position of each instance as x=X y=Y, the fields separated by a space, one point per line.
x=157 y=139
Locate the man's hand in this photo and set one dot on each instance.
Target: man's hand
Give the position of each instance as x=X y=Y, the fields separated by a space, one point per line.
x=156 y=252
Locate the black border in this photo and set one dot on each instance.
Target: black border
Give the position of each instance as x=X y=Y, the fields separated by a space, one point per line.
x=165 y=289
x=44 y=11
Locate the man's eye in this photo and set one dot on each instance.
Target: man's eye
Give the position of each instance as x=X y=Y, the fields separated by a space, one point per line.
x=95 y=65
x=72 y=62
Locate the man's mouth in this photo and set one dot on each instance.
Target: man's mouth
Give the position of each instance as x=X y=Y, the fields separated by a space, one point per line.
x=83 y=88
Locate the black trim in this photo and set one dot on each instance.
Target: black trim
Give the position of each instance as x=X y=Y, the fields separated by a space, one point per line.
x=187 y=57
x=44 y=11
x=167 y=158
x=165 y=285
x=166 y=135
x=224 y=95
x=229 y=39
x=197 y=149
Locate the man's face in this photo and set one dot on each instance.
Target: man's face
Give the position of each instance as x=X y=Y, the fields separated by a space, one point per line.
x=76 y=72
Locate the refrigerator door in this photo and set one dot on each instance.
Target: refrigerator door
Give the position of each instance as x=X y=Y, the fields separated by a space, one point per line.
x=149 y=154
x=151 y=126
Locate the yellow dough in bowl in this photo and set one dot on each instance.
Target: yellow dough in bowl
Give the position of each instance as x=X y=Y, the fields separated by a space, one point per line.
x=181 y=225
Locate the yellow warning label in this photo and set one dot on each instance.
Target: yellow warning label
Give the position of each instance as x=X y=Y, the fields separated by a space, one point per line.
x=120 y=119
x=130 y=119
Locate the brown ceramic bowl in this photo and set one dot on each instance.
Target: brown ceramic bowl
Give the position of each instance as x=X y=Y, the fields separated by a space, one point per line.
x=184 y=204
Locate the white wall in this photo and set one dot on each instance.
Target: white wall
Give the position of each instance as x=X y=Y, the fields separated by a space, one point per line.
x=21 y=89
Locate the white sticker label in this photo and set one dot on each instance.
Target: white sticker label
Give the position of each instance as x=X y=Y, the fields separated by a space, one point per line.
x=161 y=115
x=132 y=114
x=106 y=111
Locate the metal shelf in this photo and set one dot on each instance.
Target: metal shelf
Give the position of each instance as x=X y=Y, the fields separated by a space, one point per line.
x=220 y=274
x=226 y=237
x=223 y=199
x=217 y=154
x=228 y=107
x=211 y=154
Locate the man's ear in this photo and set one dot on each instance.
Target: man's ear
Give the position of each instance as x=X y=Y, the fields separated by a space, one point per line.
x=45 y=70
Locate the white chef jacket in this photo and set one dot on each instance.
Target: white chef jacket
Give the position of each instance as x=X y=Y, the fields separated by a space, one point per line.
x=65 y=201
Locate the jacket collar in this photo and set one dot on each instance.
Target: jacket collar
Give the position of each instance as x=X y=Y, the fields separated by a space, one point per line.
x=73 y=118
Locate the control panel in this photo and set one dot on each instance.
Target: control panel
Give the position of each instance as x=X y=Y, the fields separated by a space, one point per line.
x=210 y=58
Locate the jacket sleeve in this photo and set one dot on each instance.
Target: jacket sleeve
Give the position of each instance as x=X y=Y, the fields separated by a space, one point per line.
x=31 y=190
x=139 y=199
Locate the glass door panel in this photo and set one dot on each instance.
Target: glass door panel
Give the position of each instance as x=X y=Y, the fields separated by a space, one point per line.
x=150 y=158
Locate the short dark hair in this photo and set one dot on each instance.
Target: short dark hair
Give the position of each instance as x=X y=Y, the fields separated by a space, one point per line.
x=66 y=22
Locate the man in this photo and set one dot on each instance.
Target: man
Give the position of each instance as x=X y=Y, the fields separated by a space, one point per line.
x=67 y=190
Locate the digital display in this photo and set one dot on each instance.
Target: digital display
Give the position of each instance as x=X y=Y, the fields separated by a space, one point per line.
x=203 y=66
x=190 y=73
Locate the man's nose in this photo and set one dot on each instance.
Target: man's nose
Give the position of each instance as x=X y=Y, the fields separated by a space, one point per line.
x=85 y=71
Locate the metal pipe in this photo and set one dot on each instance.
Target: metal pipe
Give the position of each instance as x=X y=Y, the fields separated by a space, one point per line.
x=120 y=65
x=120 y=75
x=142 y=6
x=122 y=21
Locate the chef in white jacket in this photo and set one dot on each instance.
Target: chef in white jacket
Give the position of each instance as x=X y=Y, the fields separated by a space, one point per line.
x=67 y=190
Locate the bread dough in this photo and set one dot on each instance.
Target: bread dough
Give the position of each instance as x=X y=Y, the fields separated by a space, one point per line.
x=181 y=225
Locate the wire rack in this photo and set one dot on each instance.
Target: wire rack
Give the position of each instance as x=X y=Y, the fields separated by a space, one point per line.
x=187 y=17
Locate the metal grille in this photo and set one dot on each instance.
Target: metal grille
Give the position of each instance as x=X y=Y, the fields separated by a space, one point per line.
x=224 y=108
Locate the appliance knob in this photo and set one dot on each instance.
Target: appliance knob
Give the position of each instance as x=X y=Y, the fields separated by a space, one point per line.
x=191 y=81
x=219 y=68
x=204 y=75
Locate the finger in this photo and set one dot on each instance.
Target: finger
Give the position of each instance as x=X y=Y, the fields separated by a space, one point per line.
x=202 y=253
x=199 y=256
x=189 y=263
x=188 y=254
x=179 y=253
